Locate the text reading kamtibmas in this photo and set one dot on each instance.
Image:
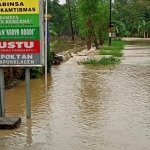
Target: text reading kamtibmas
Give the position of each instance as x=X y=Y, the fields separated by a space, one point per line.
x=15 y=7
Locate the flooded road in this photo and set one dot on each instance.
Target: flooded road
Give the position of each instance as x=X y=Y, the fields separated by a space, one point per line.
x=86 y=108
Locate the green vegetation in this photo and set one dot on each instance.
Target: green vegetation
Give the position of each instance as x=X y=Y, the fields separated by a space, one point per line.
x=110 y=52
x=132 y=18
x=35 y=72
x=116 y=45
x=115 y=50
x=103 y=61
x=90 y=19
x=52 y=32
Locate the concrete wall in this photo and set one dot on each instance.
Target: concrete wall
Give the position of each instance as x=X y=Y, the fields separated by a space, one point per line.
x=68 y=54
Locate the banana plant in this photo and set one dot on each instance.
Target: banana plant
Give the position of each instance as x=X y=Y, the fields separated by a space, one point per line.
x=120 y=28
x=143 y=27
x=148 y=29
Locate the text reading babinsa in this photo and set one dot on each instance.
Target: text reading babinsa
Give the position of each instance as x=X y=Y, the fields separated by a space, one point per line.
x=15 y=7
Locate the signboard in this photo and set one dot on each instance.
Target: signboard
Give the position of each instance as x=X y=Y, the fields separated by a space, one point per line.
x=21 y=34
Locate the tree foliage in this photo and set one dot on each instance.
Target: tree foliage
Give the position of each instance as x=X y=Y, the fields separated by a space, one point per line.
x=132 y=16
x=93 y=20
x=89 y=19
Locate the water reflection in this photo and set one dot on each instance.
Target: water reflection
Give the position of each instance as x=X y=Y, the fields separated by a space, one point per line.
x=139 y=42
x=18 y=99
x=29 y=139
x=91 y=96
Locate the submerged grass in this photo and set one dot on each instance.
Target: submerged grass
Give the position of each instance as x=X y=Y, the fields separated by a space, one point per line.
x=102 y=61
x=111 y=52
x=115 y=52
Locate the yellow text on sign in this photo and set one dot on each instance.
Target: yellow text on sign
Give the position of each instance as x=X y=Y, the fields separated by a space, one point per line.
x=19 y=7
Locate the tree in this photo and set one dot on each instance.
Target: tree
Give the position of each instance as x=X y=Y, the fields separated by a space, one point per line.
x=70 y=18
x=131 y=13
x=57 y=22
x=92 y=20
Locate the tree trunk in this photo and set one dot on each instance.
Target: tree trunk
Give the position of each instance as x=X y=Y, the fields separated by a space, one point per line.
x=95 y=39
x=70 y=17
x=101 y=41
x=88 y=43
x=0 y=108
x=89 y=37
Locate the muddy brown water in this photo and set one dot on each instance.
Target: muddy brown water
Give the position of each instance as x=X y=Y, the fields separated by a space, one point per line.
x=64 y=44
x=85 y=108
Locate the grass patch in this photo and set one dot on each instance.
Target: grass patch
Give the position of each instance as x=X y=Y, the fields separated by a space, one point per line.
x=110 y=52
x=102 y=61
x=115 y=45
x=115 y=49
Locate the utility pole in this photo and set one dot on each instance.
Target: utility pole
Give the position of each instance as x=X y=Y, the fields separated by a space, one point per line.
x=28 y=99
x=110 y=24
x=0 y=105
x=70 y=17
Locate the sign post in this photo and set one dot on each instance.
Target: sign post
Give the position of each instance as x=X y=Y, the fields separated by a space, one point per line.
x=21 y=38
x=110 y=32
x=2 y=91
x=28 y=101
x=46 y=45
x=0 y=106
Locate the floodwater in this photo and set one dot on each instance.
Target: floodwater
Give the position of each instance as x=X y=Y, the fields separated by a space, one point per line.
x=85 y=108
x=62 y=44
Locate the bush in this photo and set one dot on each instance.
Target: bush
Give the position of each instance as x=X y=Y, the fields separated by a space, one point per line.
x=136 y=35
x=49 y=60
x=35 y=72
x=127 y=34
x=11 y=74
